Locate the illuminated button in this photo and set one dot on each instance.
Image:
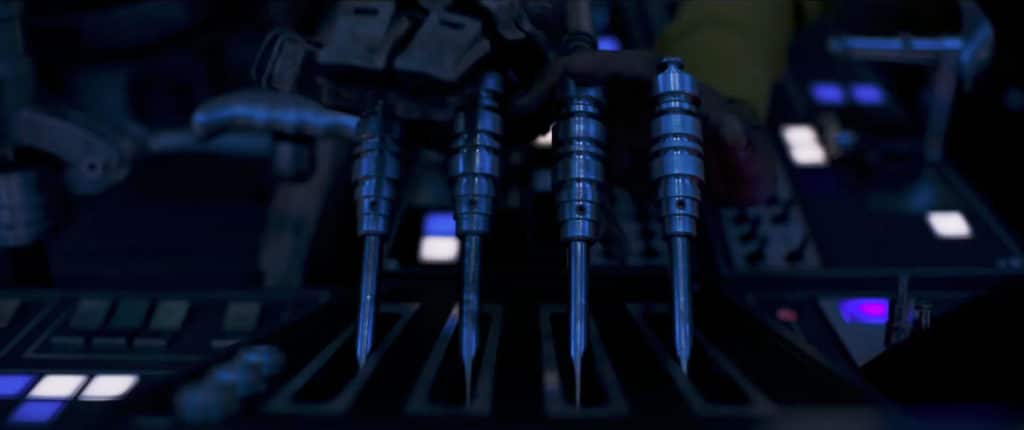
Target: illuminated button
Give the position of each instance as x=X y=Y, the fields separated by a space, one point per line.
x=864 y=310
x=949 y=225
x=14 y=385
x=36 y=412
x=438 y=223
x=108 y=387
x=827 y=93
x=438 y=245
x=787 y=315
x=438 y=250
x=57 y=387
x=868 y=94
x=803 y=144
x=89 y=314
x=169 y=315
x=609 y=42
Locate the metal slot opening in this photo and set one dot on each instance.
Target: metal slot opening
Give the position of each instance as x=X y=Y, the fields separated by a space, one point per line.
x=712 y=385
x=441 y=388
x=600 y=392
x=330 y=382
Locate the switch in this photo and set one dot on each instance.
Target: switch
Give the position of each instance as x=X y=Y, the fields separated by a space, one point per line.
x=149 y=344
x=241 y=317
x=169 y=315
x=8 y=308
x=67 y=343
x=129 y=315
x=89 y=314
x=110 y=343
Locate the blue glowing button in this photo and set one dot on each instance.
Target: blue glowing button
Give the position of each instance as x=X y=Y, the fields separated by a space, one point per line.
x=828 y=93
x=868 y=94
x=14 y=385
x=608 y=42
x=36 y=412
x=438 y=223
x=864 y=310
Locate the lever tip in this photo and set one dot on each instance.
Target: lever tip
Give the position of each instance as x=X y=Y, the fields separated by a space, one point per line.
x=468 y=378
x=578 y=381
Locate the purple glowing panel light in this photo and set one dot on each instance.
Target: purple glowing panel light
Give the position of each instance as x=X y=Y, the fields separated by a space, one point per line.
x=868 y=94
x=828 y=93
x=864 y=310
x=608 y=42
x=438 y=223
x=14 y=385
x=36 y=412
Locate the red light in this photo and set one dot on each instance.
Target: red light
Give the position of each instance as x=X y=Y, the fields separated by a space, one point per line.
x=787 y=315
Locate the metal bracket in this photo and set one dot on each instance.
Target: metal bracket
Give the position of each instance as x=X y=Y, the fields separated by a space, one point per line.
x=363 y=35
x=445 y=47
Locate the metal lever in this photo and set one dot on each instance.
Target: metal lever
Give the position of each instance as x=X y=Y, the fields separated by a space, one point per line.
x=677 y=166
x=474 y=170
x=375 y=172
x=580 y=137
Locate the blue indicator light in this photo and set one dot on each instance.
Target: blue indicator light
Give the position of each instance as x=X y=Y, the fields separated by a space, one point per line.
x=865 y=310
x=828 y=93
x=36 y=412
x=14 y=385
x=608 y=42
x=868 y=94
x=438 y=223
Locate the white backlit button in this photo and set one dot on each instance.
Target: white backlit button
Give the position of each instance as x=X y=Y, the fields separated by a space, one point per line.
x=949 y=225
x=57 y=387
x=108 y=387
x=438 y=250
x=803 y=144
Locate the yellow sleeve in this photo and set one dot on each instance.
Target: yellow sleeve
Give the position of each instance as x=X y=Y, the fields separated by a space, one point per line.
x=738 y=47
